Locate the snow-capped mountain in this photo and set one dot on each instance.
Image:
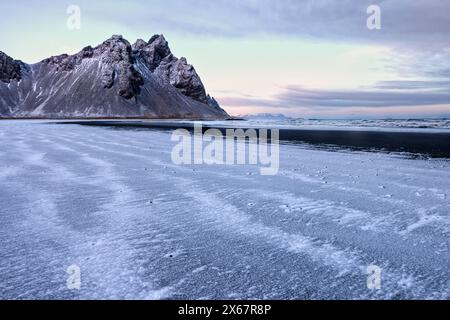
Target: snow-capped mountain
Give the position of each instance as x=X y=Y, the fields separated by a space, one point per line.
x=113 y=80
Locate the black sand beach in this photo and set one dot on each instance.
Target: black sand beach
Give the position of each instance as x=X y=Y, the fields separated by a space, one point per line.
x=430 y=143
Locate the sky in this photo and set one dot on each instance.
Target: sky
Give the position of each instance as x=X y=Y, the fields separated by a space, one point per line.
x=302 y=58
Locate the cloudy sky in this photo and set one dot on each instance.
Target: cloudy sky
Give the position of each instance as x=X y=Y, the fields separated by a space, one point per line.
x=307 y=58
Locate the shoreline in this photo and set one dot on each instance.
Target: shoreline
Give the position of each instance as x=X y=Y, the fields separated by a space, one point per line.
x=432 y=143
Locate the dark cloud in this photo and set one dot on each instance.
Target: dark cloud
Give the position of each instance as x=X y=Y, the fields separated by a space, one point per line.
x=403 y=21
x=413 y=85
x=361 y=98
x=417 y=30
x=382 y=94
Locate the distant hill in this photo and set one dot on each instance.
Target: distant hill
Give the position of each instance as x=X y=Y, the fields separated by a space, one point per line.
x=265 y=116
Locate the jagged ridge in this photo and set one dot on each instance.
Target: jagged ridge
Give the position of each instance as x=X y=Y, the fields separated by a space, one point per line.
x=114 y=79
x=10 y=69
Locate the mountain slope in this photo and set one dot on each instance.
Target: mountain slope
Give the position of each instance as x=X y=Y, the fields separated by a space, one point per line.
x=113 y=80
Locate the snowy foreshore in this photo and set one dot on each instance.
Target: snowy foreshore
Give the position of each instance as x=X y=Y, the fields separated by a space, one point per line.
x=139 y=227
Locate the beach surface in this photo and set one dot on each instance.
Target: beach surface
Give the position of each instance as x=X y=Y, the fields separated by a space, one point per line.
x=109 y=200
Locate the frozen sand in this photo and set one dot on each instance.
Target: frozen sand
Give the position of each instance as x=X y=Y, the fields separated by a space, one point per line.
x=139 y=227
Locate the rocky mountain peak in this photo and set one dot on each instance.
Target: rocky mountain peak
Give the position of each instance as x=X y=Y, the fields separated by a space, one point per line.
x=118 y=67
x=139 y=45
x=158 y=58
x=152 y=52
x=118 y=58
x=142 y=76
x=115 y=42
x=65 y=62
x=182 y=76
x=10 y=69
x=115 y=49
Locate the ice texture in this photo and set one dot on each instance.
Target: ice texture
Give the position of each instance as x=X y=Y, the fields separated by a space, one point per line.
x=139 y=227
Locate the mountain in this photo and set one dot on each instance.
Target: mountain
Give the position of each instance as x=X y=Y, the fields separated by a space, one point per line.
x=113 y=80
x=265 y=117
